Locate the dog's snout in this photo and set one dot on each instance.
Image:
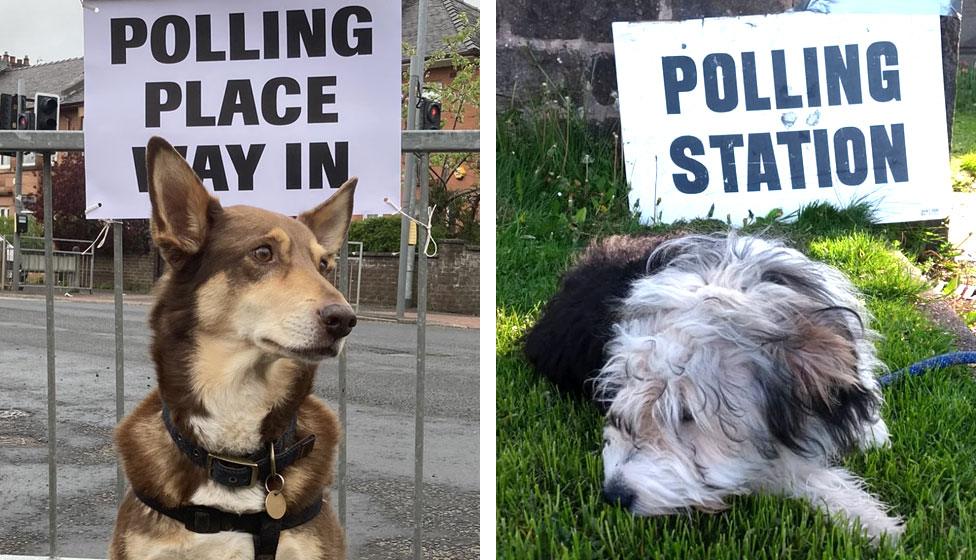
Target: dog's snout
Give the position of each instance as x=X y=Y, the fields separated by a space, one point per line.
x=337 y=319
x=616 y=493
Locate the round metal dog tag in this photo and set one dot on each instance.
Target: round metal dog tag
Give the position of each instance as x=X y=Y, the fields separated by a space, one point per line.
x=274 y=504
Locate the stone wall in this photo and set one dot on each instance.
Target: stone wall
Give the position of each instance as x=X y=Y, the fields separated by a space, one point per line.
x=566 y=46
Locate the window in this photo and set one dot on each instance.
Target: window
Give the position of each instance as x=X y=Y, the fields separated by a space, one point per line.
x=31 y=159
x=4 y=212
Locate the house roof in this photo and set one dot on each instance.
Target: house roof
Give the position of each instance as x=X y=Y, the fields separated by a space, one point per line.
x=63 y=77
x=444 y=18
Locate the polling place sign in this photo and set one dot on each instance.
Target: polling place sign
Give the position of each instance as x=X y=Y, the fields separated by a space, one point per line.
x=273 y=104
x=729 y=116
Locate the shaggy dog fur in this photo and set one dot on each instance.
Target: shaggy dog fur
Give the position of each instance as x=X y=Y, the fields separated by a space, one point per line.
x=725 y=365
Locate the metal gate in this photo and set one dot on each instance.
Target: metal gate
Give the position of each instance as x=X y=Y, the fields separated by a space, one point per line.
x=74 y=268
x=419 y=142
x=354 y=252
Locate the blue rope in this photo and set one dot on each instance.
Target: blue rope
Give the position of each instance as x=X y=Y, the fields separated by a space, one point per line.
x=937 y=362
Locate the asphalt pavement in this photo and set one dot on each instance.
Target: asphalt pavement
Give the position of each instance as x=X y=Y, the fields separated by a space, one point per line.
x=381 y=374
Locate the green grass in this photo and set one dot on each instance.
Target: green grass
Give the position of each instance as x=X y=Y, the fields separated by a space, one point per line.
x=964 y=131
x=962 y=160
x=548 y=463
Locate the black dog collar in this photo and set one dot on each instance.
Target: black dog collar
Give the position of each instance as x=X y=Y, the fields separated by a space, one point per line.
x=208 y=520
x=238 y=472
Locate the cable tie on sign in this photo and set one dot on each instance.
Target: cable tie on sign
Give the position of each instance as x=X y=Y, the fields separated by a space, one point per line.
x=430 y=220
x=101 y=237
x=87 y=7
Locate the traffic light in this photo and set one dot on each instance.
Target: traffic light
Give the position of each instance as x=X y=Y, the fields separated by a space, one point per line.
x=430 y=114
x=8 y=111
x=25 y=121
x=46 y=111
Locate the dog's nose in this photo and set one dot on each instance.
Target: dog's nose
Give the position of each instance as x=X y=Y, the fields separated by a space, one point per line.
x=338 y=319
x=617 y=494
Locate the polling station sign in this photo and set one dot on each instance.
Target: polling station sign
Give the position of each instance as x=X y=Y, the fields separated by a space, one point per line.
x=729 y=116
x=273 y=104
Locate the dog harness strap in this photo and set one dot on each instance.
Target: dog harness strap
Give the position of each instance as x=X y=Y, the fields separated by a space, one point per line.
x=208 y=520
x=266 y=540
x=239 y=472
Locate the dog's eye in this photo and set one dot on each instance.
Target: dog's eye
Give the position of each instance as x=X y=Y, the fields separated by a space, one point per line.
x=324 y=266
x=263 y=253
x=686 y=415
x=773 y=277
x=606 y=442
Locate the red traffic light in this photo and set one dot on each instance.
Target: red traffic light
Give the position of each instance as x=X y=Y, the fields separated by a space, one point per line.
x=431 y=118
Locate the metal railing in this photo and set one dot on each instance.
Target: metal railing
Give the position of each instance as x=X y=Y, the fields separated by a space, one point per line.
x=74 y=269
x=421 y=142
x=354 y=250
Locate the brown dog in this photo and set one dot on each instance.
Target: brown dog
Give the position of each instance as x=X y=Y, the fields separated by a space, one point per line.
x=241 y=318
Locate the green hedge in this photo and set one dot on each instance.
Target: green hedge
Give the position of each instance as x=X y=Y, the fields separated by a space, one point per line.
x=379 y=235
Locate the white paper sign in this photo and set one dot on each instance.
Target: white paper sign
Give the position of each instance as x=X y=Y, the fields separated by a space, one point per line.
x=732 y=115
x=274 y=103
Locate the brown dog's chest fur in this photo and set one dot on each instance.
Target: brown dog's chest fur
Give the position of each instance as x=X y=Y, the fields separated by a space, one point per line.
x=156 y=467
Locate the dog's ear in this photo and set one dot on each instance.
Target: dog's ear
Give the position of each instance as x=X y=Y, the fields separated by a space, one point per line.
x=181 y=206
x=329 y=221
x=566 y=344
x=817 y=380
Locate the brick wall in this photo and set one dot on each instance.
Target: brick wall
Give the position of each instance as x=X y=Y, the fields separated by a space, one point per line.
x=379 y=280
x=453 y=277
x=453 y=283
x=138 y=272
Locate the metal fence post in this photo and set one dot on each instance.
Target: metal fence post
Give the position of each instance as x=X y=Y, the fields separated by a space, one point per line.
x=52 y=465
x=414 y=86
x=344 y=289
x=18 y=202
x=421 y=401
x=18 y=210
x=119 y=344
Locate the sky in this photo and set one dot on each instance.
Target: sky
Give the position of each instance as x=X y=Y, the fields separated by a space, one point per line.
x=62 y=34
x=44 y=30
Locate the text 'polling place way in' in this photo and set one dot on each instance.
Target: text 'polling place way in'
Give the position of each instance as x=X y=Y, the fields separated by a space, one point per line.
x=272 y=106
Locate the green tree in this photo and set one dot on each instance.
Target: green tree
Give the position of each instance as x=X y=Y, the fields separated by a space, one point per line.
x=457 y=210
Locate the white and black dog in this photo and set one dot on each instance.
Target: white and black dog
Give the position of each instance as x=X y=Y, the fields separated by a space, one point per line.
x=726 y=365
